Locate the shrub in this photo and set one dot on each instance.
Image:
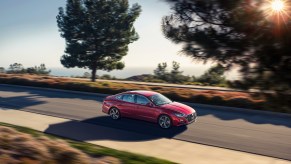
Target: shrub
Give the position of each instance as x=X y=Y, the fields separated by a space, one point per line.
x=240 y=102
x=61 y=152
x=105 y=84
x=218 y=100
x=20 y=146
x=201 y=98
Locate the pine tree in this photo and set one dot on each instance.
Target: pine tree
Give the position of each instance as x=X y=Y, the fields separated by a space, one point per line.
x=234 y=33
x=16 y=68
x=97 y=33
x=177 y=75
x=161 y=71
x=213 y=76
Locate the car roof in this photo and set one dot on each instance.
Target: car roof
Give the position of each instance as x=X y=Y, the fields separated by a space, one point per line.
x=142 y=92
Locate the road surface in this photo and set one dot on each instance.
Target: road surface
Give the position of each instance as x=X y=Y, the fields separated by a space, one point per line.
x=262 y=134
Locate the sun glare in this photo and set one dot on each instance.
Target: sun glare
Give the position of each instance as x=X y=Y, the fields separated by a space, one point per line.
x=277 y=11
x=277 y=5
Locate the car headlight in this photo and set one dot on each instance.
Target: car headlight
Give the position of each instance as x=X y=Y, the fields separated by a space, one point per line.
x=180 y=114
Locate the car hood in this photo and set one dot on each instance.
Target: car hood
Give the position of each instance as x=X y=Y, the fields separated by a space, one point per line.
x=179 y=107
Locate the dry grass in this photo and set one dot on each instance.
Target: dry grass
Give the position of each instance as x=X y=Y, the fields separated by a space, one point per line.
x=233 y=99
x=23 y=148
x=20 y=145
x=18 y=148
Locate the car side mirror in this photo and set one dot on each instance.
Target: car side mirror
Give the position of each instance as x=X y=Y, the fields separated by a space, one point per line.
x=149 y=104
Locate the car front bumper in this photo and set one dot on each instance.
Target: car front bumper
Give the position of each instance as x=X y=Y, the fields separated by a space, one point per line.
x=189 y=119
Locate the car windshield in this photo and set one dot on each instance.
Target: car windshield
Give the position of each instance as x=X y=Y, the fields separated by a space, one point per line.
x=159 y=99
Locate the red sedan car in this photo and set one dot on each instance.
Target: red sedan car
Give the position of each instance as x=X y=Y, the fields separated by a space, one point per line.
x=148 y=106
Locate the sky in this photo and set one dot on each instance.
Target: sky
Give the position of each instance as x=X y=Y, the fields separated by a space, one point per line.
x=29 y=35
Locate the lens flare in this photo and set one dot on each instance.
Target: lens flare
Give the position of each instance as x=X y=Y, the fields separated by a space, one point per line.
x=277 y=11
x=277 y=5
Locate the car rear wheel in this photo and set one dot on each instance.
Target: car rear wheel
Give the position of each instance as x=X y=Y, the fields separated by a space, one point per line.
x=165 y=122
x=114 y=113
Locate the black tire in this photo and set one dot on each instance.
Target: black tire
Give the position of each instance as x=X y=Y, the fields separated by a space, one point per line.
x=165 y=121
x=114 y=113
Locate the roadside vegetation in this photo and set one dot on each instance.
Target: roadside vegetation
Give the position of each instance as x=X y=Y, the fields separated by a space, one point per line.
x=18 y=68
x=24 y=145
x=261 y=101
x=214 y=76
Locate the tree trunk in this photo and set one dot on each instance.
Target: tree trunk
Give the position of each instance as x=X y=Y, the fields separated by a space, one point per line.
x=93 y=76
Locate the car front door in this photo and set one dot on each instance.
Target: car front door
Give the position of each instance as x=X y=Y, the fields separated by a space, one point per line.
x=144 y=109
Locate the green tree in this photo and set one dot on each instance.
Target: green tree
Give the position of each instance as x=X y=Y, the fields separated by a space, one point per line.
x=43 y=70
x=175 y=69
x=86 y=75
x=40 y=70
x=2 y=70
x=235 y=33
x=161 y=71
x=177 y=75
x=97 y=33
x=16 y=68
x=106 y=77
x=213 y=76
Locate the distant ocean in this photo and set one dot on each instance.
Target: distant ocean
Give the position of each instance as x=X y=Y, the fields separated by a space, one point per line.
x=132 y=71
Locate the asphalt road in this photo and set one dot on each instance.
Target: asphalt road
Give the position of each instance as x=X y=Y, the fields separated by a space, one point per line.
x=262 y=134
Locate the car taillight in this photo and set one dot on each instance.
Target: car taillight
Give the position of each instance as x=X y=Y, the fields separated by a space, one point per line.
x=105 y=103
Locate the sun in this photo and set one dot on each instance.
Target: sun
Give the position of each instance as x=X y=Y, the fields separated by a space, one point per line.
x=278 y=11
x=277 y=5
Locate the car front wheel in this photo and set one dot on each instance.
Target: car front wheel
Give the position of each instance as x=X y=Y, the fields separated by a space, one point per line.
x=114 y=113
x=165 y=122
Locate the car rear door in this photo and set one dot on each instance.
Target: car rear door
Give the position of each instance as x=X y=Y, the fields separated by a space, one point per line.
x=127 y=106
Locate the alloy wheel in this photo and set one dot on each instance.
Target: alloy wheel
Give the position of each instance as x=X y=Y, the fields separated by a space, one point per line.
x=165 y=122
x=114 y=113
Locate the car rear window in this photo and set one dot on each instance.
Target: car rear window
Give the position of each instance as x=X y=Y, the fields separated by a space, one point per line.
x=128 y=98
x=119 y=97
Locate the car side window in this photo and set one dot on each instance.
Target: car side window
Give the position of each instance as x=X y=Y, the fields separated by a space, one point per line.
x=119 y=97
x=141 y=100
x=128 y=98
